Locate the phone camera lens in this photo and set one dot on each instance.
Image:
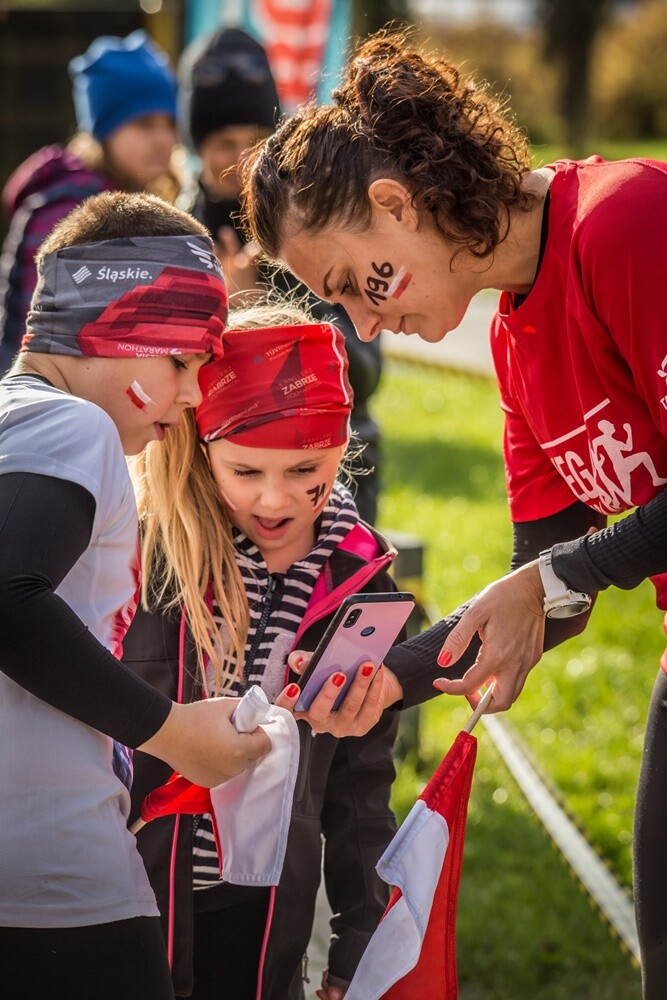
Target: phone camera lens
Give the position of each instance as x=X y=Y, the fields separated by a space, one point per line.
x=368 y=630
x=351 y=618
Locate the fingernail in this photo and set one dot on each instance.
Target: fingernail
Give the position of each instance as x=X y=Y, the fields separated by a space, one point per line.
x=367 y=670
x=444 y=658
x=292 y=690
x=338 y=680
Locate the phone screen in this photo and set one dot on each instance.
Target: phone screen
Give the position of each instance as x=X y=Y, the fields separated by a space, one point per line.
x=362 y=631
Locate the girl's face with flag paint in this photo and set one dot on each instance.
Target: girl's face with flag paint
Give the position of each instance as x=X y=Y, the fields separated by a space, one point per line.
x=274 y=495
x=143 y=396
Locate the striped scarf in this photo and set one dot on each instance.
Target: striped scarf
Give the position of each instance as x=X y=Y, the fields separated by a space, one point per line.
x=277 y=605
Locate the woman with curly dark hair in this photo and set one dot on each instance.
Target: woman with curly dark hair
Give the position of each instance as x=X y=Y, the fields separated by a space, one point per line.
x=404 y=199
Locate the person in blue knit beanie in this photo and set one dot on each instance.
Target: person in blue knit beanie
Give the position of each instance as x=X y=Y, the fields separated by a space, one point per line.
x=124 y=94
x=119 y=80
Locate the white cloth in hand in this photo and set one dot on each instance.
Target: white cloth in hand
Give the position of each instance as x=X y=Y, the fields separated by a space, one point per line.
x=253 y=810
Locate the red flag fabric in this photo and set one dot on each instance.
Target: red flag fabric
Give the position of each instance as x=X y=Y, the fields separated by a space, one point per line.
x=178 y=795
x=413 y=951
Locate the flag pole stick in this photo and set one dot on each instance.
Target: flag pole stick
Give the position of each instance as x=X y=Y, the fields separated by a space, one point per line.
x=482 y=706
x=137 y=825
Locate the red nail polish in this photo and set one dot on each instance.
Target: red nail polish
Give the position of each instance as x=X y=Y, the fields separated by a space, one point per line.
x=367 y=670
x=445 y=658
x=338 y=680
x=292 y=690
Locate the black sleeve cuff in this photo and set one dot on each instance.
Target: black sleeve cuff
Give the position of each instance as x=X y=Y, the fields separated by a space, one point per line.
x=531 y=537
x=621 y=555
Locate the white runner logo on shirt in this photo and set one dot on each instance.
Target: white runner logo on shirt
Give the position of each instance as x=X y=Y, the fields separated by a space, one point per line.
x=603 y=478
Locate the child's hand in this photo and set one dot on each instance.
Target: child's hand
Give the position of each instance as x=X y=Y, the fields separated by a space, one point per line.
x=330 y=992
x=366 y=699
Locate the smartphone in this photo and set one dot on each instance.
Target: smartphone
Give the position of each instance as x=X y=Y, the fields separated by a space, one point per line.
x=363 y=630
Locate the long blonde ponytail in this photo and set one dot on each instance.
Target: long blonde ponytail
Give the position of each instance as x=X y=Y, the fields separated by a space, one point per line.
x=187 y=544
x=187 y=540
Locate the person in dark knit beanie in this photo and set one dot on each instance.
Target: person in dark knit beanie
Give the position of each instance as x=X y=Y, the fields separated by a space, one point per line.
x=232 y=84
x=228 y=101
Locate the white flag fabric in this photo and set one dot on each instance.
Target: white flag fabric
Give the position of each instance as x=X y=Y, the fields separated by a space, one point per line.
x=412 y=954
x=252 y=811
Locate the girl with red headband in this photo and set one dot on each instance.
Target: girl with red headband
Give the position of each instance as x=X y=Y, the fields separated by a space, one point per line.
x=250 y=545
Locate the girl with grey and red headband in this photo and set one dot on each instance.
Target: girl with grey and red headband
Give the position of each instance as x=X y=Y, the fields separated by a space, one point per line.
x=252 y=543
x=129 y=305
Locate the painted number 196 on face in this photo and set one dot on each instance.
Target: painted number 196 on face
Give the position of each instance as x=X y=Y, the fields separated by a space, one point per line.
x=377 y=287
x=386 y=283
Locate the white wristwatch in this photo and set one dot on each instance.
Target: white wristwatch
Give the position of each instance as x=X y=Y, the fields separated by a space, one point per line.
x=559 y=601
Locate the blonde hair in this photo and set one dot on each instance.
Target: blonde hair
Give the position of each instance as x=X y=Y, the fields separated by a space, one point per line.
x=187 y=542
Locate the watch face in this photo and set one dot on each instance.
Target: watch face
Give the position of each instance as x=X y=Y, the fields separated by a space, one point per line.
x=569 y=610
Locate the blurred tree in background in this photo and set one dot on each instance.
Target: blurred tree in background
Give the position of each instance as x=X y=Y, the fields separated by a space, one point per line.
x=605 y=76
x=570 y=29
x=511 y=60
x=369 y=16
x=630 y=98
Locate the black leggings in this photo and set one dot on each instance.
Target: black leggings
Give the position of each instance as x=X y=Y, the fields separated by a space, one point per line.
x=125 y=959
x=227 y=950
x=650 y=847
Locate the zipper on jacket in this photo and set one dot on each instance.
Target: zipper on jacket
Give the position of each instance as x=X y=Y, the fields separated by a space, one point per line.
x=304 y=968
x=267 y=603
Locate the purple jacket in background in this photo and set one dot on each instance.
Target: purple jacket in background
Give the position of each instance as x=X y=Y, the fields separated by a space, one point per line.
x=40 y=192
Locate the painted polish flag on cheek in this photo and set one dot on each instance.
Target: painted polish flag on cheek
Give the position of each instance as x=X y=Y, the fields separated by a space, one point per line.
x=138 y=395
x=399 y=283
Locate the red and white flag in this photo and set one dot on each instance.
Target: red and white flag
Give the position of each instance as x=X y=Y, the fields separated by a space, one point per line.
x=413 y=951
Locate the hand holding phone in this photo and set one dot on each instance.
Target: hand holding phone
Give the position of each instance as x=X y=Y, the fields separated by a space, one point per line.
x=363 y=630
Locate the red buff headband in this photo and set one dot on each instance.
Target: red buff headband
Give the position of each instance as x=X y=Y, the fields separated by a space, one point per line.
x=136 y=297
x=278 y=387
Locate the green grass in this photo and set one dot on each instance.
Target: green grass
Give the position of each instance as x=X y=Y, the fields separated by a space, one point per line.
x=525 y=930
x=654 y=149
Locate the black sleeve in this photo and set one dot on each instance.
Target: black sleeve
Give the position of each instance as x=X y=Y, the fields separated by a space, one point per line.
x=531 y=537
x=622 y=555
x=45 y=526
x=415 y=662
